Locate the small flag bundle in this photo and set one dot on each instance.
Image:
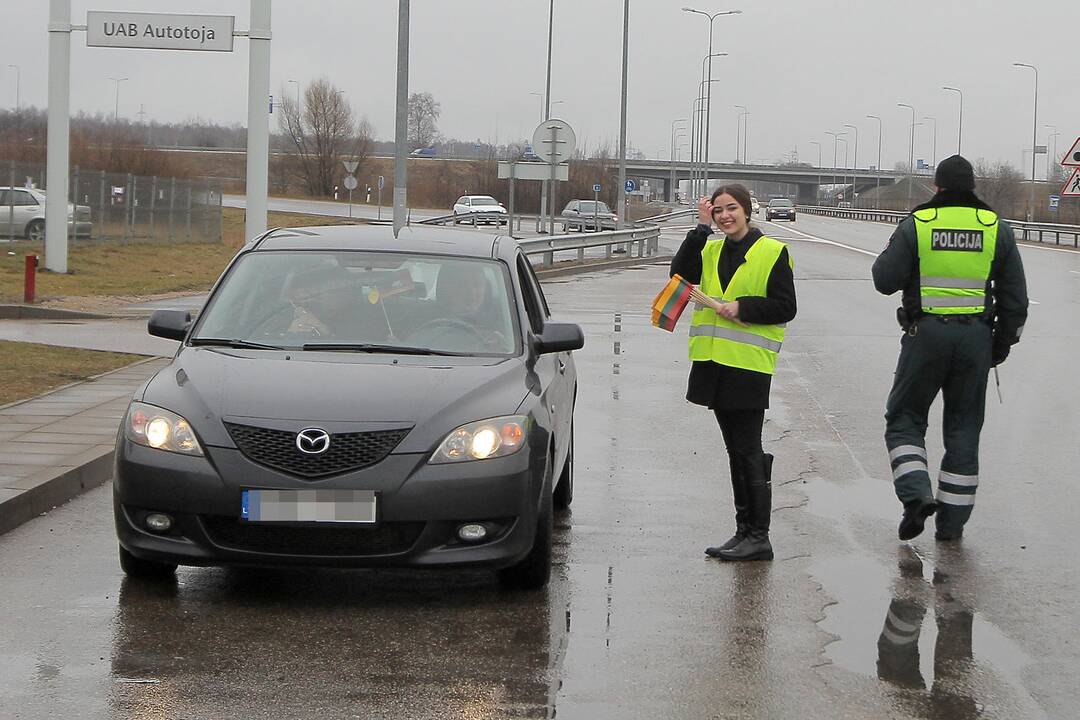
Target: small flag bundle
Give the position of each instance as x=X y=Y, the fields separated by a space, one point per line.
x=670 y=302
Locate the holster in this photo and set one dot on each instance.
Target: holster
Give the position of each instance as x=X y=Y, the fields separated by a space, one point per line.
x=904 y=319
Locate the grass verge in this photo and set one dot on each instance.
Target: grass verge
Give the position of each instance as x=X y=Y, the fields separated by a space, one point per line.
x=29 y=369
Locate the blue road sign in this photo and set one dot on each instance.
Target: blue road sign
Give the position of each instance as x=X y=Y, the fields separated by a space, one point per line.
x=596 y=187
x=631 y=186
x=1054 y=200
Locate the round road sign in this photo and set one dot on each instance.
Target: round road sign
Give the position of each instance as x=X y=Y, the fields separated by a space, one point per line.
x=554 y=141
x=350 y=182
x=631 y=186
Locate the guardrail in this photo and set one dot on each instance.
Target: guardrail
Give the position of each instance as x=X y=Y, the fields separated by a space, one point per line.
x=473 y=219
x=1024 y=231
x=664 y=217
x=647 y=240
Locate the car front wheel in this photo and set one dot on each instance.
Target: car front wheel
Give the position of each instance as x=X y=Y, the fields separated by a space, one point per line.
x=564 y=489
x=534 y=571
x=145 y=569
x=35 y=231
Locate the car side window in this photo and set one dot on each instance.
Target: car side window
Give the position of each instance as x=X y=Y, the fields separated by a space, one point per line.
x=534 y=284
x=529 y=297
x=24 y=198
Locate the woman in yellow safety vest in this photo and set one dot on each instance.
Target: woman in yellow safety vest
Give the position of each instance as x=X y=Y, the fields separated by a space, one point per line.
x=745 y=297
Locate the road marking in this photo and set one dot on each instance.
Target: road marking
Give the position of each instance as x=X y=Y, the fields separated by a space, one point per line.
x=1075 y=272
x=814 y=238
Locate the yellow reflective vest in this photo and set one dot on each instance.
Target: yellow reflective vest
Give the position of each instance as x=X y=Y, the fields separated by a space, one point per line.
x=956 y=247
x=712 y=337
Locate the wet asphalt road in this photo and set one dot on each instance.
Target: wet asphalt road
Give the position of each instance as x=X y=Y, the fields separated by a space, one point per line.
x=636 y=622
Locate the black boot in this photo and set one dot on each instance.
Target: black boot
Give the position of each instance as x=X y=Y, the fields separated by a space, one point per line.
x=914 y=518
x=740 y=494
x=756 y=545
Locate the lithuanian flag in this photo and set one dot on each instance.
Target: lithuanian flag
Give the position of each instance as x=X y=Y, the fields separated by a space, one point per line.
x=669 y=304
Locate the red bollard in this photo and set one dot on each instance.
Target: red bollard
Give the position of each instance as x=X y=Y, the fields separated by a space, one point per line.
x=29 y=278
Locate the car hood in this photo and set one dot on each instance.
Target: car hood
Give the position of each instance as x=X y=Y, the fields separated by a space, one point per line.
x=341 y=392
x=486 y=208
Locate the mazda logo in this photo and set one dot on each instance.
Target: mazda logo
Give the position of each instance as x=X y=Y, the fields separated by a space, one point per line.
x=312 y=441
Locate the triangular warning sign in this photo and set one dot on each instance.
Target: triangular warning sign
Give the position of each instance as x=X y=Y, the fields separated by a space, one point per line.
x=1073 y=156
x=1071 y=188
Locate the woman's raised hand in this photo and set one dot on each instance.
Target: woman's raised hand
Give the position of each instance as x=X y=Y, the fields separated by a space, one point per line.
x=704 y=211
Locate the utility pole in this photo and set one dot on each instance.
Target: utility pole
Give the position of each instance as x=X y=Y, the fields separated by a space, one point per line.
x=622 y=117
x=258 y=135
x=911 y=153
x=1034 y=139
x=877 y=196
x=402 y=116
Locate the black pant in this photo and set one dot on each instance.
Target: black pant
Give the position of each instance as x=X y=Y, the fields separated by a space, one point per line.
x=741 y=430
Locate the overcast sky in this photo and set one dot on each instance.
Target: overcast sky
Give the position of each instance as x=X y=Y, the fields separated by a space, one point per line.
x=802 y=67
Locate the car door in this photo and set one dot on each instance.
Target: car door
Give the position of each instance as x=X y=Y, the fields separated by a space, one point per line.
x=26 y=209
x=556 y=370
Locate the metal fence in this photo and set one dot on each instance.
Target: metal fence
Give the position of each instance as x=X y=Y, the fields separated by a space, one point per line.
x=1046 y=233
x=122 y=208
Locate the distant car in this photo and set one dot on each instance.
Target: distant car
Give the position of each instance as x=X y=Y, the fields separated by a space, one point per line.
x=486 y=208
x=22 y=215
x=587 y=215
x=351 y=398
x=425 y=152
x=780 y=208
x=755 y=206
x=529 y=156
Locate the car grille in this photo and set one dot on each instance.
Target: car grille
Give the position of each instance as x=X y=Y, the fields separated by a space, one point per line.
x=348 y=451
x=387 y=538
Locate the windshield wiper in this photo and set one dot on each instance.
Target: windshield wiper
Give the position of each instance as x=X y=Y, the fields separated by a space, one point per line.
x=376 y=348
x=235 y=343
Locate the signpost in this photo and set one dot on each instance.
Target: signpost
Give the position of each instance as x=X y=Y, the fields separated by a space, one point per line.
x=350 y=179
x=595 y=205
x=529 y=171
x=554 y=141
x=382 y=181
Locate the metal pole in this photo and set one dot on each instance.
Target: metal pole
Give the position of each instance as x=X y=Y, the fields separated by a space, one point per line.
x=58 y=148
x=18 y=72
x=1034 y=139
x=11 y=202
x=933 y=151
x=153 y=199
x=960 y=124
x=738 y=134
x=101 y=206
x=854 y=161
x=172 y=201
x=835 y=137
x=911 y=153
x=258 y=137
x=510 y=223
x=622 y=117
x=877 y=197
x=401 y=131
x=817 y=194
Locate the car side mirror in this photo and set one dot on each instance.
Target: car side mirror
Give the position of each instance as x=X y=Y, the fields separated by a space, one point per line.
x=169 y=324
x=559 y=337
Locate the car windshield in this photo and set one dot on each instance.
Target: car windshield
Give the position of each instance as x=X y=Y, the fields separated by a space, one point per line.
x=780 y=203
x=484 y=201
x=363 y=302
x=588 y=206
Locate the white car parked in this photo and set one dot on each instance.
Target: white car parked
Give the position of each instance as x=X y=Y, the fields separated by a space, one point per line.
x=481 y=205
x=22 y=215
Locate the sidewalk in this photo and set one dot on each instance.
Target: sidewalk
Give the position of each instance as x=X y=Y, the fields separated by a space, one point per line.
x=57 y=445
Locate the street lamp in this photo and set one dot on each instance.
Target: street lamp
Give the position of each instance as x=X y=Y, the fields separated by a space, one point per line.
x=297 y=83
x=705 y=155
x=835 y=136
x=854 y=160
x=1053 y=135
x=674 y=136
x=622 y=120
x=540 y=97
x=815 y=142
x=960 y=123
x=116 y=105
x=708 y=101
x=738 y=133
x=877 y=195
x=18 y=72
x=911 y=152
x=1034 y=138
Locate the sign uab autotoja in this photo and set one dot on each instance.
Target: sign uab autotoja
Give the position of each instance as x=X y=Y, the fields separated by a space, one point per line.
x=159 y=31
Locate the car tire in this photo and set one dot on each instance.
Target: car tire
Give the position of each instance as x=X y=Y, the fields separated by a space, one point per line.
x=145 y=569
x=35 y=230
x=564 y=489
x=534 y=571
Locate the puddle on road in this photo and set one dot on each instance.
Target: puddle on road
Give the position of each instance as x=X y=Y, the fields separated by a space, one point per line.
x=917 y=629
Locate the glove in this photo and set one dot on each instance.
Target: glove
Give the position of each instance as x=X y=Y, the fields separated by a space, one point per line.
x=999 y=351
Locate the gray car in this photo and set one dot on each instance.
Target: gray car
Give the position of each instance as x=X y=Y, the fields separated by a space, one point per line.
x=347 y=398
x=22 y=215
x=587 y=215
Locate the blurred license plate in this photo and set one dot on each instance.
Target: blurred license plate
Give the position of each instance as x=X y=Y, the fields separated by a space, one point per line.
x=331 y=506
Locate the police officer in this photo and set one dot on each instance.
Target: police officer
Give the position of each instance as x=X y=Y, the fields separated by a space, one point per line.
x=745 y=298
x=964 y=305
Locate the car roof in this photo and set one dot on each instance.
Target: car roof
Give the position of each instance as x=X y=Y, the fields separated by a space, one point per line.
x=380 y=238
x=479 y=196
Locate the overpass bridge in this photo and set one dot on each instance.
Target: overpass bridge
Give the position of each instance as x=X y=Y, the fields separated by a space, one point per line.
x=804 y=180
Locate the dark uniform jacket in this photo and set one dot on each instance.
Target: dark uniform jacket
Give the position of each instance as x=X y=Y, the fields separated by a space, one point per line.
x=897 y=268
x=719 y=386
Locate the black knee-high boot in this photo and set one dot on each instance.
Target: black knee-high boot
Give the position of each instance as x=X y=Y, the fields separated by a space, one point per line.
x=741 y=495
x=756 y=545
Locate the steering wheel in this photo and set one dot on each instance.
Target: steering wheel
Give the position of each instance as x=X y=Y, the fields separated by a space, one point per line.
x=449 y=324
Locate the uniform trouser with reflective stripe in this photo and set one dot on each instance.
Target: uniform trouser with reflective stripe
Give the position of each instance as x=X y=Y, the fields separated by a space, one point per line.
x=952 y=358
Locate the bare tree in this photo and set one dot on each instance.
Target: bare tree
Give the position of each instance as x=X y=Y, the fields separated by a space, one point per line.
x=999 y=185
x=323 y=132
x=424 y=113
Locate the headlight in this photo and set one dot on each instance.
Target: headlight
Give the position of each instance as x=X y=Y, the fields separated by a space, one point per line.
x=158 y=428
x=483 y=439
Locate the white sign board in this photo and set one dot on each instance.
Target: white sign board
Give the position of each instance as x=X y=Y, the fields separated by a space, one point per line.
x=532 y=171
x=1073 y=156
x=159 y=31
x=1071 y=188
x=350 y=182
x=554 y=141
x=350 y=165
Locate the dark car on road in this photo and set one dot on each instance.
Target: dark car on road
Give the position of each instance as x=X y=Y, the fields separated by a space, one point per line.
x=587 y=215
x=780 y=208
x=347 y=398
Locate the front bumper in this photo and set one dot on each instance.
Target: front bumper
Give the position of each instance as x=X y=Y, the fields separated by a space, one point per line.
x=419 y=508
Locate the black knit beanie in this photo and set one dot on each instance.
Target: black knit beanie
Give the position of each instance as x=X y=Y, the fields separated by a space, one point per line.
x=955 y=173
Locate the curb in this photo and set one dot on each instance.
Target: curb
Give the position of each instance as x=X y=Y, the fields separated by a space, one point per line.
x=55 y=486
x=31 y=312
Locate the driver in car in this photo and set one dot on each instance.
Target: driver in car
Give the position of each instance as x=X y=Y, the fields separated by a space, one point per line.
x=462 y=293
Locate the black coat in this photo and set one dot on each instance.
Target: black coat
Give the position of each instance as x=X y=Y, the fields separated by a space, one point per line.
x=719 y=386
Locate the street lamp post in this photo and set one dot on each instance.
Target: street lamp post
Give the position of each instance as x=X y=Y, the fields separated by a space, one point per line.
x=877 y=194
x=1034 y=138
x=817 y=197
x=933 y=156
x=706 y=76
x=738 y=133
x=116 y=104
x=674 y=124
x=1051 y=159
x=540 y=97
x=911 y=153
x=18 y=73
x=622 y=119
x=297 y=84
x=960 y=122
x=835 y=137
x=708 y=101
x=854 y=160
x=401 y=112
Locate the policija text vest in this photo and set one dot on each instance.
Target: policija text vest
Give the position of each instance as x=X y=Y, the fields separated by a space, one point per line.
x=956 y=246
